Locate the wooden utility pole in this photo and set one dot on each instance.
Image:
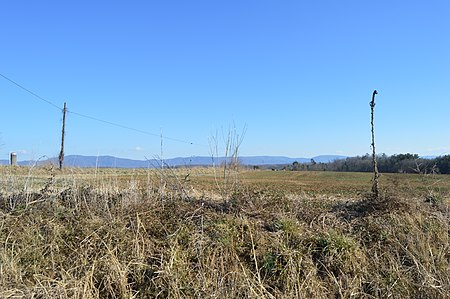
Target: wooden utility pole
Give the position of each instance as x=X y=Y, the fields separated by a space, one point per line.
x=61 y=154
x=374 y=157
x=162 y=160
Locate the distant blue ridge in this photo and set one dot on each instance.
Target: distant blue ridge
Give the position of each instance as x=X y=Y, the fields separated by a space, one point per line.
x=115 y=162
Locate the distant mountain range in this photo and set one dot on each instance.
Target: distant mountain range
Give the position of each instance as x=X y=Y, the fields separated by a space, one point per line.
x=429 y=157
x=114 y=162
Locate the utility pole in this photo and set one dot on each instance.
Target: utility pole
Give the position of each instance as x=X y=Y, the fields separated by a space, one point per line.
x=162 y=160
x=61 y=154
x=374 y=157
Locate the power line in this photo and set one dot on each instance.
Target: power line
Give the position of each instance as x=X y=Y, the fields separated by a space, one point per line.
x=95 y=118
x=30 y=92
x=128 y=128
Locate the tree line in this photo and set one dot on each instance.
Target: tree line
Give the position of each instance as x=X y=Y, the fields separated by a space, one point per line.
x=401 y=163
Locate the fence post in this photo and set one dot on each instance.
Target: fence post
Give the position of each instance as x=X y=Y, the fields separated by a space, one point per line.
x=374 y=157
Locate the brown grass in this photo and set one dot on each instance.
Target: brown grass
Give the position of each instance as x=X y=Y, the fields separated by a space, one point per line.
x=123 y=234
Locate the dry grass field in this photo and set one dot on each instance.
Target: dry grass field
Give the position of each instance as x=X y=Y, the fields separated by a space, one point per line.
x=193 y=233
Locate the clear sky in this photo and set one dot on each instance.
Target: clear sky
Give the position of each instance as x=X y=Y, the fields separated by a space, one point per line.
x=298 y=75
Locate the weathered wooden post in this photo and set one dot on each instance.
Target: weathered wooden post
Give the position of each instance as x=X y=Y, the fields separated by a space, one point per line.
x=61 y=154
x=13 y=159
x=375 y=192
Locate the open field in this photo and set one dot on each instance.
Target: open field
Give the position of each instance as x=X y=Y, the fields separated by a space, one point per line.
x=199 y=179
x=190 y=233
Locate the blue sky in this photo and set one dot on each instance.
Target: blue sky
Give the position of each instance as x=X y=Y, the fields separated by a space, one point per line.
x=298 y=75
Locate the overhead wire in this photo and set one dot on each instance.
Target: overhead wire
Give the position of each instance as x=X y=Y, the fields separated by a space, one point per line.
x=127 y=127
x=30 y=92
x=95 y=118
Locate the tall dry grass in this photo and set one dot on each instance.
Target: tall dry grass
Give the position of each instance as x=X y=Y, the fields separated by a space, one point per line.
x=127 y=238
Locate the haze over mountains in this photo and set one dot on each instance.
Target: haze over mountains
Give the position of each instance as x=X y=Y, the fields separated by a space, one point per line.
x=115 y=162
